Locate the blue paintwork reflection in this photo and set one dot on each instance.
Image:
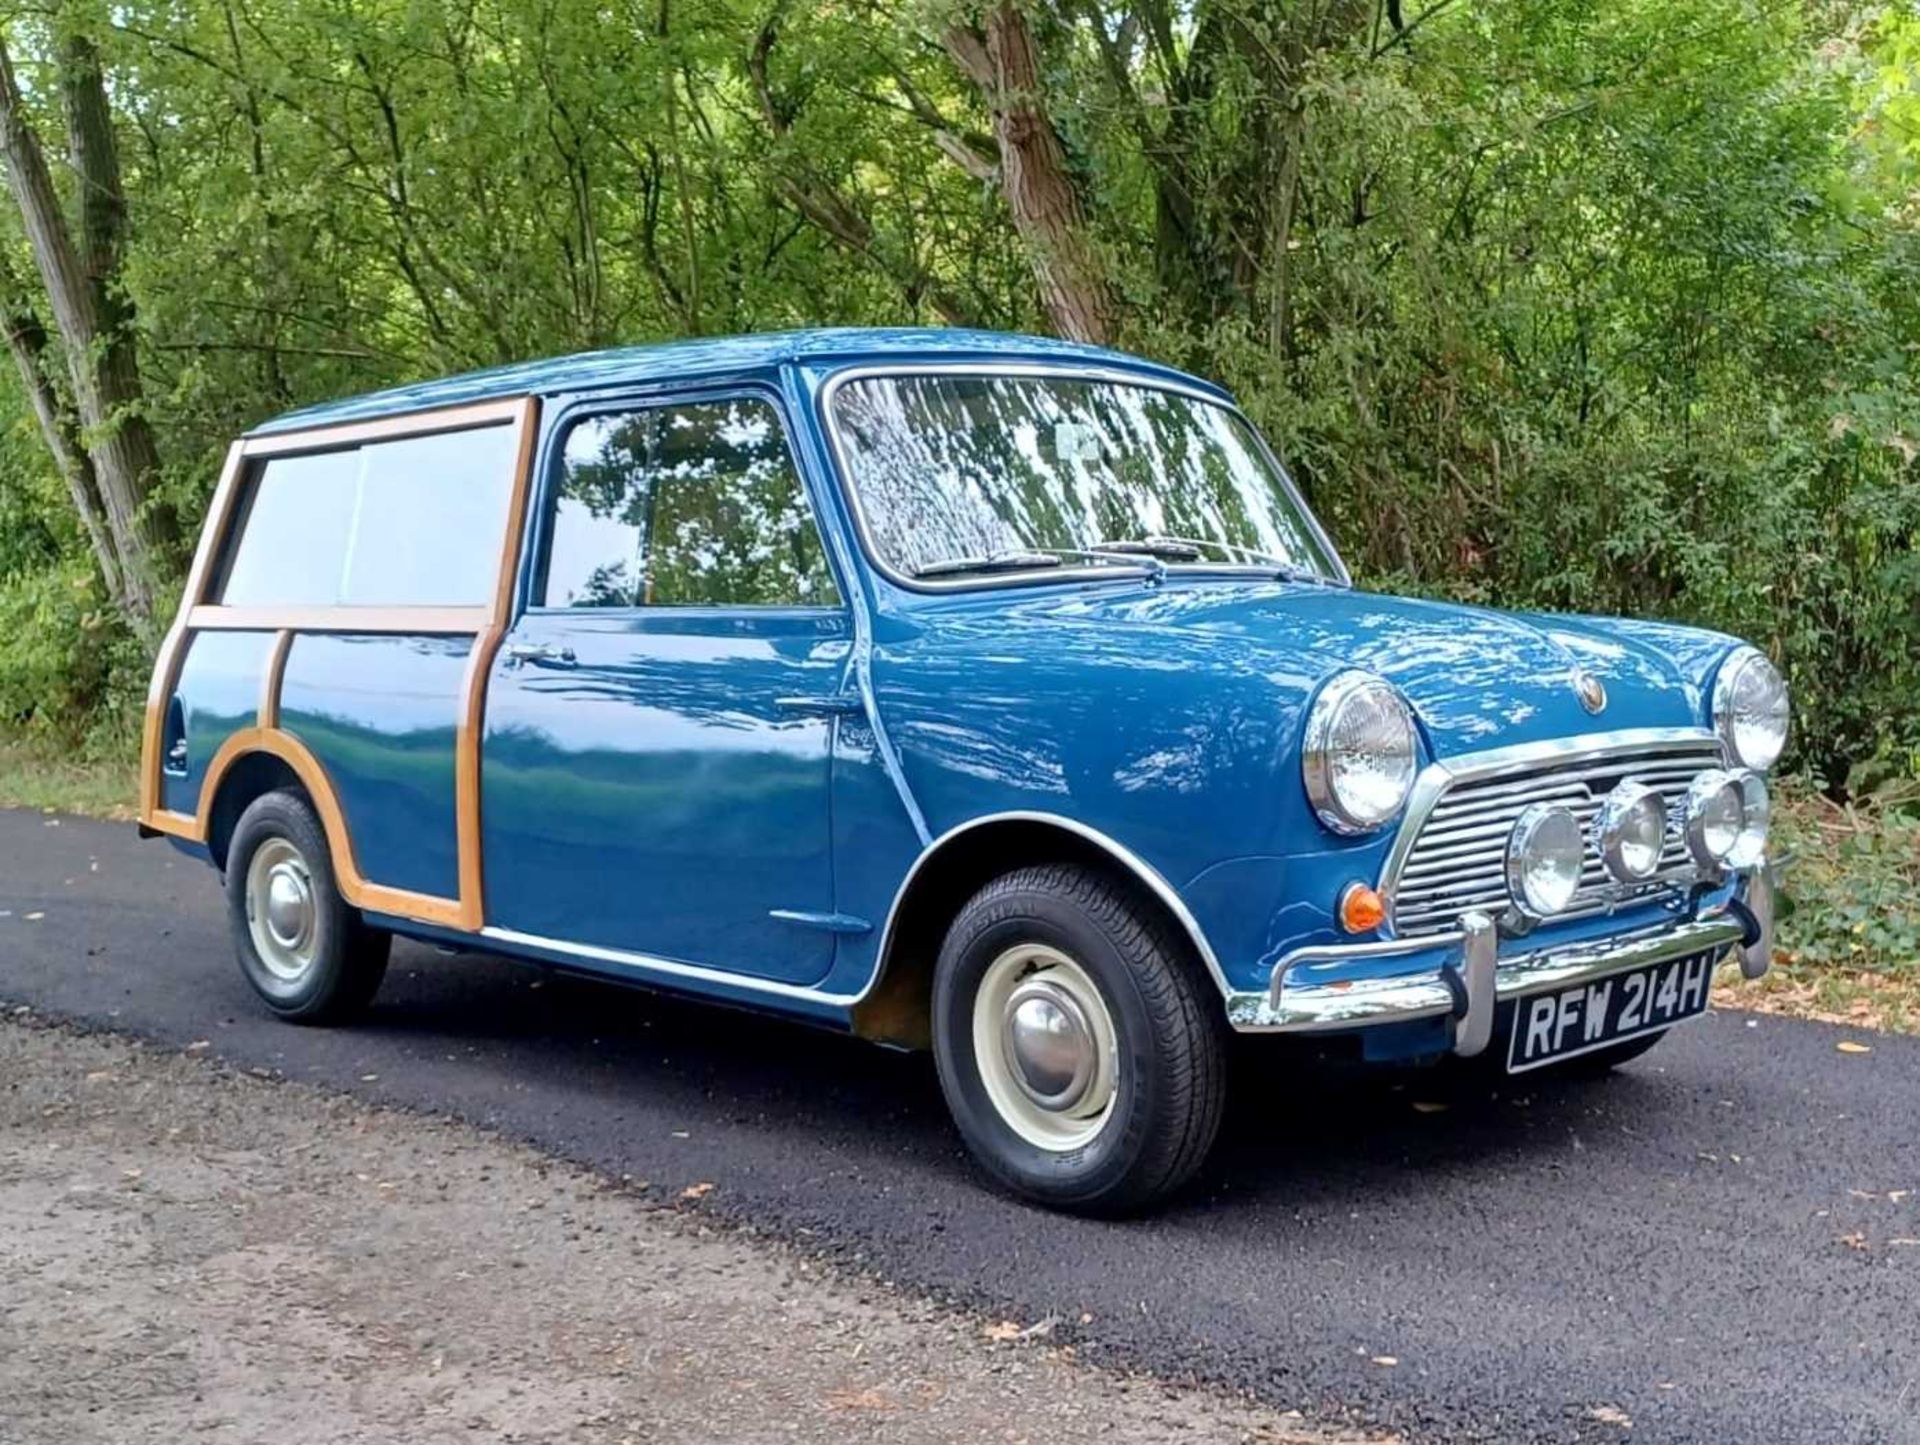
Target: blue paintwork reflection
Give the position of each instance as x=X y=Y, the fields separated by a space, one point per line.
x=218 y=693
x=379 y=714
x=655 y=795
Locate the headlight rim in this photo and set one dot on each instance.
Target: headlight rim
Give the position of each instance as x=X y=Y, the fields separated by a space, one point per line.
x=1750 y=848
x=1694 y=822
x=1316 y=758
x=1732 y=666
x=1525 y=828
x=1607 y=824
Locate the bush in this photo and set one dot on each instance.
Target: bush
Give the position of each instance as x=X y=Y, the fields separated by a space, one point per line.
x=71 y=676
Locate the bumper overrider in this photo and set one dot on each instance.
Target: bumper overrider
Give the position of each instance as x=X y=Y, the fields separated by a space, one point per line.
x=1314 y=990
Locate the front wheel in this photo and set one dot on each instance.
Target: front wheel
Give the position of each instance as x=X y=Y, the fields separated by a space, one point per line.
x=306 y=951
x=1083 y=1061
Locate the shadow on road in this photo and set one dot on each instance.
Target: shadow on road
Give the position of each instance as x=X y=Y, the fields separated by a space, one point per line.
x=1301 y=1129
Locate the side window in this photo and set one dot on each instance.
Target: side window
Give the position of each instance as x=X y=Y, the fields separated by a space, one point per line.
x=695 y=505
x=417 y=521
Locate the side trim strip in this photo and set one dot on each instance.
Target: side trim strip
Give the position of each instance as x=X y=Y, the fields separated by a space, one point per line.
x=673 y=968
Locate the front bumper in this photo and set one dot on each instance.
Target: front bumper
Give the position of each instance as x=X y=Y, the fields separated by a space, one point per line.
x=1312 y=990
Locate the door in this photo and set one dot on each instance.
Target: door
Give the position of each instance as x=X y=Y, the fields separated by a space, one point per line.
x=659 y=732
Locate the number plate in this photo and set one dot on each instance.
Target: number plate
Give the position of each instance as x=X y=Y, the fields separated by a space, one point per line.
x=1548 y=1027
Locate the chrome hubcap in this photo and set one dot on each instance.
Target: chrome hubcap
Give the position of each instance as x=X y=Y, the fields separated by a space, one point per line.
x=282 y=912
x=1045 y=1047
x=1050 y=1044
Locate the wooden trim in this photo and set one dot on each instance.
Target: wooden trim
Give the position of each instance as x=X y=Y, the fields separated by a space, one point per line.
x=354 y=887
x=486 y=624
x=181 y=825
x=383 y=428
x=472 y=723
x=412 y=620
x=270 y=681
x=173 y=648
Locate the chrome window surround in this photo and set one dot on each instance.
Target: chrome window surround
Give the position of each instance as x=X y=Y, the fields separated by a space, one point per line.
x=1068 y=371
x=1437 y=779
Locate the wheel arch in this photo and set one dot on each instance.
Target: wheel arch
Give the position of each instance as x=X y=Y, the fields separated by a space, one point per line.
x=246 y=777
x=255 y=755
x=896 y=1007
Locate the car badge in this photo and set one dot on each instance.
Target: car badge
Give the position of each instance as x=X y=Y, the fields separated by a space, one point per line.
x=1591 y=691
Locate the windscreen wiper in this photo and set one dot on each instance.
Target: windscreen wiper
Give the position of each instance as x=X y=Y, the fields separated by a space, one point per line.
x=1011 y=561
x=1192 y=549
x=1167 y=549
x=1020 y=558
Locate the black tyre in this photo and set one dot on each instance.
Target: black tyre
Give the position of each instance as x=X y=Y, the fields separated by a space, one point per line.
x=309 y=955
x=1082 y=1055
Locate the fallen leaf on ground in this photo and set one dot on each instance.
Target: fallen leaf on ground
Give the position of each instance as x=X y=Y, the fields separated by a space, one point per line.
x=697 y=1191
x=858 y=1400
x=1848 y=1046
x=1002 y=1331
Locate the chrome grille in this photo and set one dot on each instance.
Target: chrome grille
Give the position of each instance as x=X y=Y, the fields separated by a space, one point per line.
x=1457 y=860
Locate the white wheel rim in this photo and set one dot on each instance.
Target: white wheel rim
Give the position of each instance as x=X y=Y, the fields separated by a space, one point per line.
x=283 y=917
x=1045 y=1047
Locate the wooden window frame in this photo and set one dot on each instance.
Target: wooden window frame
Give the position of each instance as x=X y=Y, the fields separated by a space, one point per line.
x=485 y=625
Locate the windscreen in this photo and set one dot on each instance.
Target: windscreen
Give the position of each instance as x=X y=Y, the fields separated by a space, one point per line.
x=950 y=468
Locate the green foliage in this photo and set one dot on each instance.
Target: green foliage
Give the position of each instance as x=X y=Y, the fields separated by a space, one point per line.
x=70 y=673
x=1601 y=306
x=1849 y=935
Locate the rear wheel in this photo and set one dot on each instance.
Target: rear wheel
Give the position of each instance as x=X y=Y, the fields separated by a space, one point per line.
x=1082 y=1059
x=307 y=953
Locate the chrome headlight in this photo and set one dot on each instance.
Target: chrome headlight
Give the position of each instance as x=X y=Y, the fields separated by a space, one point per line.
x=1716 y=816
x=1751 y=846
x=1750 y=708
x=1631 y=831
x=1359 y=757
x=1545 y=853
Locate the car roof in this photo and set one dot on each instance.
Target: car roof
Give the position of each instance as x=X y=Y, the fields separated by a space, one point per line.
x=624 y=365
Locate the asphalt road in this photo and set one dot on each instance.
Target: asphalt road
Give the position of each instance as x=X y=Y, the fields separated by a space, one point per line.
x=1718 y=1244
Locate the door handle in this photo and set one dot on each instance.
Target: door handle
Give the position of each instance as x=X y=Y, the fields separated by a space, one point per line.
x=519 y=654
x=845 y=704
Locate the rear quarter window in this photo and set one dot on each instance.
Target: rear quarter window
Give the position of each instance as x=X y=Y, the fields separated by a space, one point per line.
x=417 y=521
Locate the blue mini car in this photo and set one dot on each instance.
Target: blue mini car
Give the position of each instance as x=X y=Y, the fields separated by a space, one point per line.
x=966 y=691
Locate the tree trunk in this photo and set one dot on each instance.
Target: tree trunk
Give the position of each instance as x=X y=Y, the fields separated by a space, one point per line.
x=91 y=319
x=1003 y=62
x=27 y=340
